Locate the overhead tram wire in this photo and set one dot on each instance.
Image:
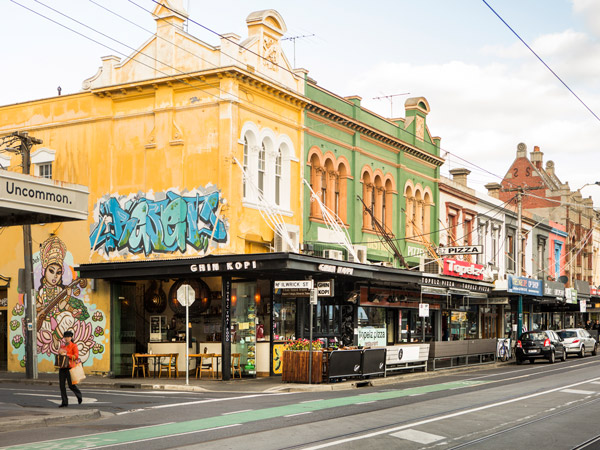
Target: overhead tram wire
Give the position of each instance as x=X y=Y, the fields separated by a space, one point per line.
x=542 y=61
x=217 y=97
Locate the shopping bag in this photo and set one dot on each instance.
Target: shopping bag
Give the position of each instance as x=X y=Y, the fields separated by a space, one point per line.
x=77 y=374
x=61 y=362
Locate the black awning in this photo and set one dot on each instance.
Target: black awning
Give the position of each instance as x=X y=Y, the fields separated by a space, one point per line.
x=251 y=266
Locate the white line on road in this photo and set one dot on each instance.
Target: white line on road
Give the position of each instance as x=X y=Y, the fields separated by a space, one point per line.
x=298 y=414
x=212 y=400
x=236 y=412
x=311 y=401
x=172 y=435
x=365 y=403
x=578 y=391
x=130 y=411
x=447 y=416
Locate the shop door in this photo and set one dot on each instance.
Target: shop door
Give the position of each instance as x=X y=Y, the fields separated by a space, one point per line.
x=3 y=339
x=123 y=323
x=489 y=326
x=243 y=325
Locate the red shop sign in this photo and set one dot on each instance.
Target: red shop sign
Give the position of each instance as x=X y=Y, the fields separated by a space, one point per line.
x=463 y=269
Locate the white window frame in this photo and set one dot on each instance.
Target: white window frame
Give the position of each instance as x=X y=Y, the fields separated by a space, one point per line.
x=40 y=157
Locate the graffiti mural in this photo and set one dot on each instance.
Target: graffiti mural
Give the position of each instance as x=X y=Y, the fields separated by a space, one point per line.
x=158 y=223
x=62 y=303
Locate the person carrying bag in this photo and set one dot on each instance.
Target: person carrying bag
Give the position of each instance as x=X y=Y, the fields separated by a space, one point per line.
x=70 y=352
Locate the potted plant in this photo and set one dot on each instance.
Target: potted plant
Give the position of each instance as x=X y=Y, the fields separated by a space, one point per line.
x=296 y=358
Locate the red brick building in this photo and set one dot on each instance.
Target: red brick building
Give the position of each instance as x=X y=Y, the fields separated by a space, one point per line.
x=546 y=195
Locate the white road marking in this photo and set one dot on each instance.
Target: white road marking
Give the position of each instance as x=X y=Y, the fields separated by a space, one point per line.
x=595 y=382
x=578 y=391
x=298 y=414
x=212 y=400
x=171 y=435
x=418 y=436
x=86 y=400
x=310 y=401
x=130 y=411
x=365 y=403
x=236 y=412
x=447 y=416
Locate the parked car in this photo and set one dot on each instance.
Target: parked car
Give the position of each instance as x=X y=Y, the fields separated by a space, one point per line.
x=579 y=341
x=538 y=344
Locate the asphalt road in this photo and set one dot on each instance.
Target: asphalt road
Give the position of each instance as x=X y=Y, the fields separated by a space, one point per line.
x=550 y=406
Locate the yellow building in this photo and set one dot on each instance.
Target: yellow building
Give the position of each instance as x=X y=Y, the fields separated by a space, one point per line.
x=162 y=139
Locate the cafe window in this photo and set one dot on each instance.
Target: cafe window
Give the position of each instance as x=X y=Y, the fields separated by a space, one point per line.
x=284 y=319
x=463 y=323
x=371 y=317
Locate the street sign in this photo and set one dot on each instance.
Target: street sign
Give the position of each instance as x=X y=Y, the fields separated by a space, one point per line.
x=294 y=284
x=423 y=309
x=186 y=295
x=464 y=250
x=325 y=288
x=314 y=297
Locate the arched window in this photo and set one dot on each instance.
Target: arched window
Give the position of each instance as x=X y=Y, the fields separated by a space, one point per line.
x=278 y=178
x=408 y=196
x=387 y=210
x=377 y=199
x=324 y=186
x=368 y=199
x=261 y=168
x=246 y=156
x=427 y=215
x=342 y=176
x=315 y=184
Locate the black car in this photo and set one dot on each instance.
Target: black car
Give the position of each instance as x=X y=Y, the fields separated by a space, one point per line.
x=534 y=345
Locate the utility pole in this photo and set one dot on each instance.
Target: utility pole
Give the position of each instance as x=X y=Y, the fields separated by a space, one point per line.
x=24 y=149
x=519 y=250
x=293 y=39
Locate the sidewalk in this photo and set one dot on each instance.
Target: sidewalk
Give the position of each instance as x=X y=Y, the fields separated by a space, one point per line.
x=13 y=418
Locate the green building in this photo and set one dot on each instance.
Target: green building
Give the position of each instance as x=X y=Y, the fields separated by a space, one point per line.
x=353 y=156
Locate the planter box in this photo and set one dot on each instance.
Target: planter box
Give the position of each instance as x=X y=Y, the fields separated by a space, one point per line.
x=295 y=366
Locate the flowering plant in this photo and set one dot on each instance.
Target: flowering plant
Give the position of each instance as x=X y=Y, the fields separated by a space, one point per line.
x=302 y=344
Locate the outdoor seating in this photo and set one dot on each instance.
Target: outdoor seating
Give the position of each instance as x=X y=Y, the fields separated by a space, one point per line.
x=170 y=365
x=236 y=364
x=205 y=364
x=139 y=363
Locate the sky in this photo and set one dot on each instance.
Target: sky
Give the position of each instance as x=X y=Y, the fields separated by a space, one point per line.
x=486 y=90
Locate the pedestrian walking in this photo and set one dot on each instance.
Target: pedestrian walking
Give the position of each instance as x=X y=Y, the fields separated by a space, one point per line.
x=64 y=375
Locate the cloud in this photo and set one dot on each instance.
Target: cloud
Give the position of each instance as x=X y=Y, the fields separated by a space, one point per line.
x=589 y=10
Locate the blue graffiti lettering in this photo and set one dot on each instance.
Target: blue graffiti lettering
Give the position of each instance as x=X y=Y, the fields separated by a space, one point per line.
x=145 y=225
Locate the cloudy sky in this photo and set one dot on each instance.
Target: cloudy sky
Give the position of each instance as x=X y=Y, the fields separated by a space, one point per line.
x=486 y=90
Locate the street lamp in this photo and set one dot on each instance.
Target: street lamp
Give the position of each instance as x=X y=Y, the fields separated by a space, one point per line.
x=589 y=184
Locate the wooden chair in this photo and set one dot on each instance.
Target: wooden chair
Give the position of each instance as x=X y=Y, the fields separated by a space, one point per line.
x=170 y=365
x=236 y=364
x=205 y=364
x=139 y=363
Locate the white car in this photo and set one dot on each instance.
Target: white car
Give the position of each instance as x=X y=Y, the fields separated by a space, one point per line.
x=579 y=341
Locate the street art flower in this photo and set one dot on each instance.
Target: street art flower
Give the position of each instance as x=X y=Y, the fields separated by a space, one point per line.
x=14 y=324
x=18 y=310
x=98 y=348
x=84 y=338
x=98 y=316
x=99 y=331
x=17 y=341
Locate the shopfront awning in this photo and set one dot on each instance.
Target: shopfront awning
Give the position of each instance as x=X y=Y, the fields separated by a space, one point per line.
x=25 y=199
x=279 y=266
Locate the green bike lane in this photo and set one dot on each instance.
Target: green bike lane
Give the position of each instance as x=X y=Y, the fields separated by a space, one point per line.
x=132 y=435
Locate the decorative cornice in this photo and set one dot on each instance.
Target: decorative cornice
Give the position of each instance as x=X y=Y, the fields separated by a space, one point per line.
x=366 y=130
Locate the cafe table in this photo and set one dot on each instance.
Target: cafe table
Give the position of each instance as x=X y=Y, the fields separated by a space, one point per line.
x=157 y=359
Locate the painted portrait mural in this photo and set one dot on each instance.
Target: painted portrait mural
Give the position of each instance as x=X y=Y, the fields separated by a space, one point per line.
x=162 y=222
x=62 y=303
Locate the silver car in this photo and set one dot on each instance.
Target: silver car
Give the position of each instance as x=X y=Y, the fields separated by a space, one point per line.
x=579 y=341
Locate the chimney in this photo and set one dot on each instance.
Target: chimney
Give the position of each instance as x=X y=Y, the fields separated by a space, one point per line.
x=537 y=157
x=493 y=189
x=460 y=176
x=521 y=150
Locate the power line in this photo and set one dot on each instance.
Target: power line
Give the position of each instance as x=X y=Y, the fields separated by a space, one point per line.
x=542 y=61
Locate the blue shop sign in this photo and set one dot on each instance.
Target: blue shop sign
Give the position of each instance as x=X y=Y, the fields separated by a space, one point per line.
x=526 y=286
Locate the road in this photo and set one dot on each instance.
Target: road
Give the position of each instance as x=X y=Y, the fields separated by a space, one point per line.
x=543 y=405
